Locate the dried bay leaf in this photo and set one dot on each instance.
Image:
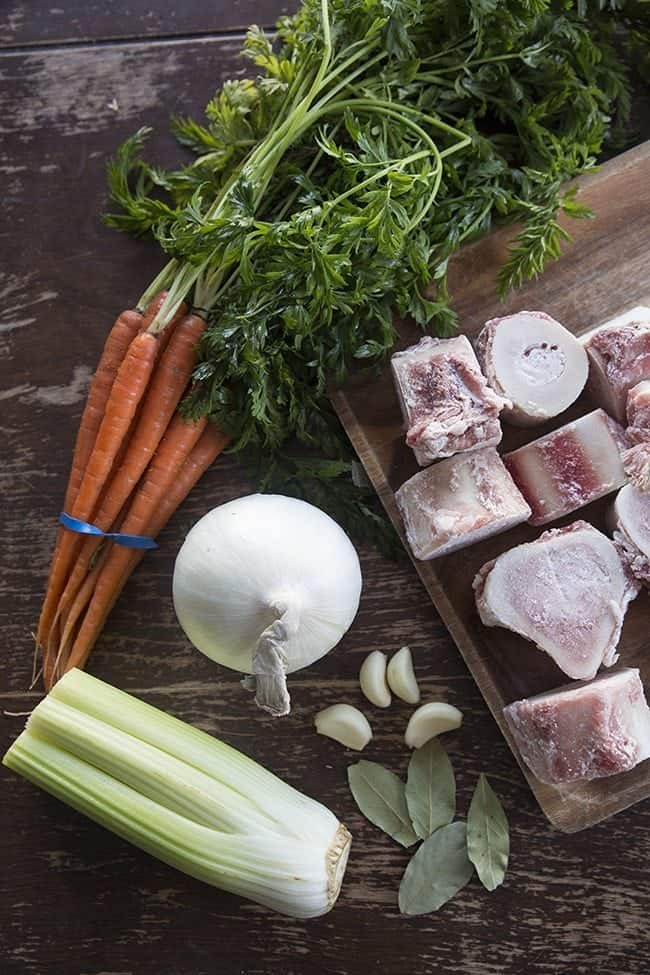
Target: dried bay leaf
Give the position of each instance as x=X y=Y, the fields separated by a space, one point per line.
x=430 y=789
x=439 y=869
x=379 y=794
x=488 y=837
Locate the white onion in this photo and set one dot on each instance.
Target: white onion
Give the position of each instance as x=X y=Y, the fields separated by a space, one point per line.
x=266 y=585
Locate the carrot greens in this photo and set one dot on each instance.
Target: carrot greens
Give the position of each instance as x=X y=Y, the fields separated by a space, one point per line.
x=331 y=189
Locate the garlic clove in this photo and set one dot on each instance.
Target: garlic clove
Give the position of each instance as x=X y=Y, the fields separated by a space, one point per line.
x=372 y=678
x=431 y=720
x=345 y=724
x=401 y=676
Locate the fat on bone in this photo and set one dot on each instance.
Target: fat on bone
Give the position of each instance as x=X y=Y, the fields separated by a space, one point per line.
x=585 y=730
x=569 y=467
x=567 y=592
x=619 y=358
x=446 y=402
x=629 y=519
x=636 y=464
x=638 y=413
x=535 y=363
x=459 y=501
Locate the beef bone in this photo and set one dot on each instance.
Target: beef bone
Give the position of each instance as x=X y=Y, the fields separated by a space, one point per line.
x=586 y=730
x=569 y=467
x=446 y=402
x=534 y=362
x=459 y=501
x=567 y=592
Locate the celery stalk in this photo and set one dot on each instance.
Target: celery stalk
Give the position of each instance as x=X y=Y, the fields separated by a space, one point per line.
x=182 y=796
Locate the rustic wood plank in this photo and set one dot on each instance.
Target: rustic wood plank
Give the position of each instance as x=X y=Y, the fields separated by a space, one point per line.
x=100 y=20
x=74 y=899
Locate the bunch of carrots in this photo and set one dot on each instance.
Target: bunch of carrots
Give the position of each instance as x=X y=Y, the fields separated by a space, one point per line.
x=135 y=460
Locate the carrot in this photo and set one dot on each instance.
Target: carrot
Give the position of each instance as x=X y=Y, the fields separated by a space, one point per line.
x=131 y=381
x=119 y=338
x=121 y=335
x=152 y=310
x=178 y=442
x=169 y=381
x=122 y=561
x=62 y=645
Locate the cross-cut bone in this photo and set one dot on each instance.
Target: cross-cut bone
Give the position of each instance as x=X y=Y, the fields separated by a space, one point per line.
x=567 y=592
x=534 y=362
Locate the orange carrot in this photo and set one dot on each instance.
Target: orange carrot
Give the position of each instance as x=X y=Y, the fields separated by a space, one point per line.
x=64 y=639
x=119 y=339
x=167 y=386
x=122 y=561
x=172 y=453
x=152 y=309
x=131 y=381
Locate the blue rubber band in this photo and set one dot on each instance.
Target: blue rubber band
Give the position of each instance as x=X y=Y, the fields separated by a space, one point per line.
x=84 y=528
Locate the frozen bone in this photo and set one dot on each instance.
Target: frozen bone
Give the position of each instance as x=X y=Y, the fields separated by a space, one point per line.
x=619 y=358
x=569 y=467
x=638 y=412
x=446 y=402
x=586 y=730
x=567 y=592
x=630 y=520
x=533 y=361
x=636 y=464
x=459 y=501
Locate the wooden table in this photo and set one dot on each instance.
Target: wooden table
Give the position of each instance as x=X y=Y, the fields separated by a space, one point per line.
x=74 y=898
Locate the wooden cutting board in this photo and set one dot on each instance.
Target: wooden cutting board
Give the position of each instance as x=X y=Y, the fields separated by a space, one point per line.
x=604 y=272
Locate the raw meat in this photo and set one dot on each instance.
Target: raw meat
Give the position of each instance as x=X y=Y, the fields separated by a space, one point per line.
x=638 y=412
x=630 y=521
x=636 y=464
x=568 y=468
x=619 y=358
x=533 y=361
x=586 y=730
x=567 y=592
x=459 y=501
x=446 y=402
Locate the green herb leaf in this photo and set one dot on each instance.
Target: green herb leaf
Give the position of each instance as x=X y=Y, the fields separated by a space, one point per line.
x=379 y=794
x=430 y=789
x=488 y=839
x=439 y=869
x=375 y=139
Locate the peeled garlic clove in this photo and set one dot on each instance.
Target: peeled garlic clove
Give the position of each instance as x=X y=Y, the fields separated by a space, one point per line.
x=431 y=720
x=401 y=676
x=372 y=678
x=344 y=724
x=533 y=361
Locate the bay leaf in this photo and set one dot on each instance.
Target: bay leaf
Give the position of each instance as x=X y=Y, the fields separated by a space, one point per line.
x=430 y=789
x=439 y=869
x=379 y=794
x=488 y=836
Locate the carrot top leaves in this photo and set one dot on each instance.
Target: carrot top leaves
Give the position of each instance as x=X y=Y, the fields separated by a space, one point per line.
x=374 y=139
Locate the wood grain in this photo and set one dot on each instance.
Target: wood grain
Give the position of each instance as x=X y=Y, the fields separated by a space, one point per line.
x=603 y=273
x=74 y=900
x=79 y=21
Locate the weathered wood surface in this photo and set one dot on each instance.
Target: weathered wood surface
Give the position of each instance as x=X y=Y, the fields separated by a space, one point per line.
x=74 y=21
x=587 y=287
x=74 y=899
